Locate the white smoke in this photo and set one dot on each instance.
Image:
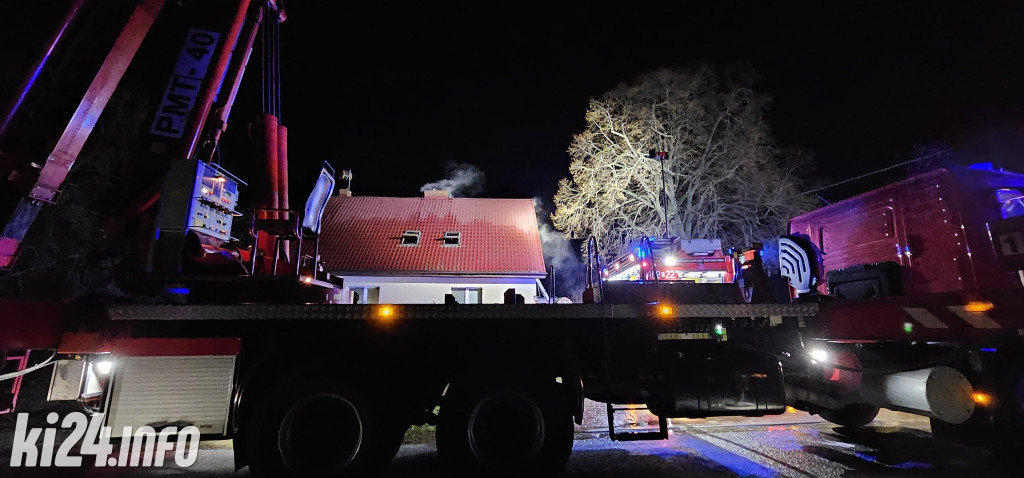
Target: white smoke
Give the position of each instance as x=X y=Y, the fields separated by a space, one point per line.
x=560 y=253
x=463 y=180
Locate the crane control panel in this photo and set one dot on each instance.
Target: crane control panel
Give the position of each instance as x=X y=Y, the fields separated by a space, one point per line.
x=214 y=197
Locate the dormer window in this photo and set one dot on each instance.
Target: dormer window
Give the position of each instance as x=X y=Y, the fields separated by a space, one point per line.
x=451 y=239
x=410 y=238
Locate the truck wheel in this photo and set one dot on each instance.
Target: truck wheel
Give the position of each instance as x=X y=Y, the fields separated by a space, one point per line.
x=319 y=429
x=507 y=430
x=853 y=415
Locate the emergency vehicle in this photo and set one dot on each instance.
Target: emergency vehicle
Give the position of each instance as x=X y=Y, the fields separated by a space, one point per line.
x=244 y=336
x=674 y=259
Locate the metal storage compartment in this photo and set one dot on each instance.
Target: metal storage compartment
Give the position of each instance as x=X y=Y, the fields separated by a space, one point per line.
x=171 y=391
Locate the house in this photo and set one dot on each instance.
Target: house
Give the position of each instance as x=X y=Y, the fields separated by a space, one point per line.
x=415 y=250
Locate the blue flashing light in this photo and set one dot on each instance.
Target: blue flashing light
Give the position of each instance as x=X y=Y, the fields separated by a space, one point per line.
x=177 y=290
x=988 y=349
x=982 y=166
x=761 y=253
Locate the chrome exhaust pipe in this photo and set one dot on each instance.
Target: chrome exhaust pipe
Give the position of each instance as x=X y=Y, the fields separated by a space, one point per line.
x=941 y=392
x=938 y=392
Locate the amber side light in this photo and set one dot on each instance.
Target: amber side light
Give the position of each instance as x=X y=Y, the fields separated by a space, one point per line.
x=979 y=306
x=981 y=399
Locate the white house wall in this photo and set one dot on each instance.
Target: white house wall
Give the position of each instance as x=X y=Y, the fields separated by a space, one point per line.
x=431 y=290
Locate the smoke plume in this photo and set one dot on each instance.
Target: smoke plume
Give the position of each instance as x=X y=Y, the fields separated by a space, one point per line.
x=462 y=180
x=560 y=253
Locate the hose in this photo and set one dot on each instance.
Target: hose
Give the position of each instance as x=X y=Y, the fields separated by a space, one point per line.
x=8 y=376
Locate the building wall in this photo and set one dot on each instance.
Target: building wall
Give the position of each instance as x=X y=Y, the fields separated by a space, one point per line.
x=431 y=290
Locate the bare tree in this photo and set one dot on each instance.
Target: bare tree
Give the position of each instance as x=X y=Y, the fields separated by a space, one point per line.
x=67 y=252
x=724 y=176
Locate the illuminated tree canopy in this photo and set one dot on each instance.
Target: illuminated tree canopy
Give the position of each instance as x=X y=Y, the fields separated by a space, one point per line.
x=724 y=177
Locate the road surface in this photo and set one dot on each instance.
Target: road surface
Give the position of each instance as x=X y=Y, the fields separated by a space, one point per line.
x=791 y=445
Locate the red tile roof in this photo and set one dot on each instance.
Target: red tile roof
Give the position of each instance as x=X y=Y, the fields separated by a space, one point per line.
x=499 y=237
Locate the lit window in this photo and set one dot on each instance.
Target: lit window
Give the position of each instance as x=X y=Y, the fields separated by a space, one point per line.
x=468 y=295
x=410 y=238
x=451 y=239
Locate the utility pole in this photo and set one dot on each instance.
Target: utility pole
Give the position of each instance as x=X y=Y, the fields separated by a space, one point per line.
x=661 y=156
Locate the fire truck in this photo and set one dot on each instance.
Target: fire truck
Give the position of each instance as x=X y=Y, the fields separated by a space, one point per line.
x=250 y=340
x=674 y=259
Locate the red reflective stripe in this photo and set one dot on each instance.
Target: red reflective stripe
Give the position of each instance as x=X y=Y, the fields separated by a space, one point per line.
x=162 y=347
x=82 y=343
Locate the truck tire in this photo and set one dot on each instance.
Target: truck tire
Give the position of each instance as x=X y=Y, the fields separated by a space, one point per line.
x=318 y=428
x=505 y=430
x=853 y=415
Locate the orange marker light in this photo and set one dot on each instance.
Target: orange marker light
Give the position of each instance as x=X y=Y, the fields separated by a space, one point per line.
x=386 y=311
x=981 y=399
x=978 y=306
x=665 y=310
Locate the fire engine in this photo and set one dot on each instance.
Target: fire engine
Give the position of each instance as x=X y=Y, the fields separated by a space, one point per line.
x=674 y=259
x=248 y=339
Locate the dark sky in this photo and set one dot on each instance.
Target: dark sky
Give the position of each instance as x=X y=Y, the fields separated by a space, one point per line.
x=394 y=91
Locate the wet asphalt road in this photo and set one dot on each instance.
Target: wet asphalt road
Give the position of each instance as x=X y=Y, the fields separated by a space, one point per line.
x=790 y=445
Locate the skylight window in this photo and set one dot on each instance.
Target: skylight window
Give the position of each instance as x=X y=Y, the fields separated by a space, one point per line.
x=451 y=239
x=410 y=238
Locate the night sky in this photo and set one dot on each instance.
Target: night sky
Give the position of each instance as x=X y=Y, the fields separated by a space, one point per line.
x=394 y=92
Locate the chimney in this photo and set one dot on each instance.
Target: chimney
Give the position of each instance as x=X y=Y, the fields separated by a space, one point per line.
x=437 y=194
